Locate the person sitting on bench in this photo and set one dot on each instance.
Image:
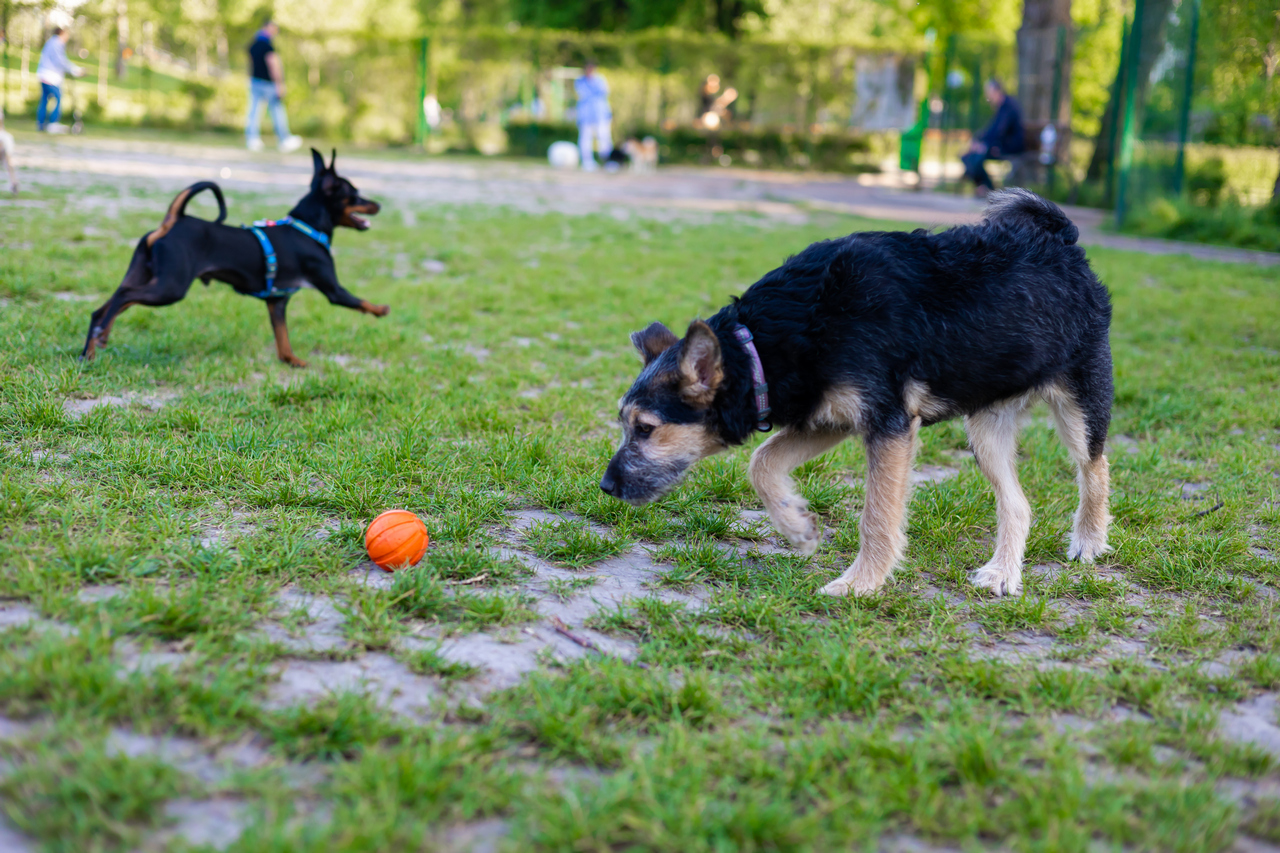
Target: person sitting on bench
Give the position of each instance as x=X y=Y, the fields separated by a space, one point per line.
x=1001 y=139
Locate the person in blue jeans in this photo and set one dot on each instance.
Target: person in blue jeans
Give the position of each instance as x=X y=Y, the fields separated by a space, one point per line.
x=595 y=118
x=52 y=70
x=1000 y=140
x=266 y=86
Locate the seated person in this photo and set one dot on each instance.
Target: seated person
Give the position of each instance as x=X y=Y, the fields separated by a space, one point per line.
x=1001 y=139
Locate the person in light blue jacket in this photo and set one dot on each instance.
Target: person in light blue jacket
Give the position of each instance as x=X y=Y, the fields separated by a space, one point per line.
x=594 y=116
x=53 y=68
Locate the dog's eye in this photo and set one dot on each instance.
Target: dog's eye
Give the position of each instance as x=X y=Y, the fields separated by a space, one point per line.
x=644 y=430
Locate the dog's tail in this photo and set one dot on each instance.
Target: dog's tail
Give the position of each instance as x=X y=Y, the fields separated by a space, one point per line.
x=1025 y=207
x=178 y=208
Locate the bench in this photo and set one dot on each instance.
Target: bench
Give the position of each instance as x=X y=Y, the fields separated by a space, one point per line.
x=1028 y=167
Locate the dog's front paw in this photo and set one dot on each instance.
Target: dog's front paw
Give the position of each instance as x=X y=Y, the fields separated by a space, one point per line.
x=852 y=584
x=999 y=579
x=294 y=361
x=801 y=529
x=1086 y=548
x=380 y=310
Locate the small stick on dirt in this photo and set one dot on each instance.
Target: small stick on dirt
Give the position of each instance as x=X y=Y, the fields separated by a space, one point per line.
x=586 y=643
x=475 y=579
x=1219 y=505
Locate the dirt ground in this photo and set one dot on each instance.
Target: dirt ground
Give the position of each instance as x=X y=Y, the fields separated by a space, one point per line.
x=532 y=186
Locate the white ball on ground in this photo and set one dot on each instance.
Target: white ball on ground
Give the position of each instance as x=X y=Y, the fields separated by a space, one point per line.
x=563 y=155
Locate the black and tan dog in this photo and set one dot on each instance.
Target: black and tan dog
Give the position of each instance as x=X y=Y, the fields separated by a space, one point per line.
x=271 y=262
x=878 y=334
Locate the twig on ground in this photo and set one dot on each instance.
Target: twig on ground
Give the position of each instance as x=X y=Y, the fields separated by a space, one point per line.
x=475 y=579
x=1219 y=505
x=558 y=624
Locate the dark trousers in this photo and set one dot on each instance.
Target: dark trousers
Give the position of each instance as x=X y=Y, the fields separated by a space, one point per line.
x=974 y=171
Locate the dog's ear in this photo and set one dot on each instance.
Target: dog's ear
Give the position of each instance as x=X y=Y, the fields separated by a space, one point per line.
x=318 y=171
x=701 y=366
x=653 y=341
x=333 y=159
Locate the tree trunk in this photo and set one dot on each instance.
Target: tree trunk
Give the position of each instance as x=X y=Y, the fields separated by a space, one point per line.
x=1038 y=66
x=122 y=38
x=1155 y=18
x=1275 y=191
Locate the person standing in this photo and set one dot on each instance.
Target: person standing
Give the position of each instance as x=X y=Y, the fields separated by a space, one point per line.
x=52 y=70
x=266 y=86
x=1001 y=139
x=594 y=116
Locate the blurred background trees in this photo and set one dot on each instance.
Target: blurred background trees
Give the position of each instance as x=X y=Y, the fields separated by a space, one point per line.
x=808 y=72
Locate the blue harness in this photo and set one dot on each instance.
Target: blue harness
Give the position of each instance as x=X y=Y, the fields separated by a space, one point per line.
x=269 y=252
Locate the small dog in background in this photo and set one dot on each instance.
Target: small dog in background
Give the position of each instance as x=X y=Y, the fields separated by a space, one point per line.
x=878 y=334
x=6 y=154
x=270 y=261
x=643 y=154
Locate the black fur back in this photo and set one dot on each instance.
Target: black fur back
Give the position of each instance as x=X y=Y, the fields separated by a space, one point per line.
x=1023 y=207
x=977 y=313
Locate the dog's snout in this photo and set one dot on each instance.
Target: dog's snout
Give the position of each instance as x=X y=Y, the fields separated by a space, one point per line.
x=611 y=485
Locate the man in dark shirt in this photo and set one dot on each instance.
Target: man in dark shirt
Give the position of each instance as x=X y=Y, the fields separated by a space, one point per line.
x=266 y=86
x=1000 y=140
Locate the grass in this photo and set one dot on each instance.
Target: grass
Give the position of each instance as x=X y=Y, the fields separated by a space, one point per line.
x=757 y=714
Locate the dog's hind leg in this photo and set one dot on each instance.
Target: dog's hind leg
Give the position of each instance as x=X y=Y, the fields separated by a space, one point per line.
x=882 y=527
x=154 y=292
x=993 y=434
x=770 y=472
x=1080 y=434
x=276 y=308
x=137 y=276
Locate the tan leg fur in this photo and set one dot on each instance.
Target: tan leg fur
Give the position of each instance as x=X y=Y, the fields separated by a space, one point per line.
x=770 y=472
x=884 y=519
x=993 y=434
x=1089 y=532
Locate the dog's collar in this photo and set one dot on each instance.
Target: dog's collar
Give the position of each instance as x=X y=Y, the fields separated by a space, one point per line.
x=760 y=391
x=319 y=236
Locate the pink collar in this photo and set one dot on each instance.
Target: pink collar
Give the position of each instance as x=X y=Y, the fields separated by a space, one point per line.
x=761 y=389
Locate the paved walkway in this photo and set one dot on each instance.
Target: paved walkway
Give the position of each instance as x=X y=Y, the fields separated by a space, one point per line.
x=672 y=191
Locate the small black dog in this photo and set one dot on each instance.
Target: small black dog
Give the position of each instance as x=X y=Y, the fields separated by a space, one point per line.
x=878 y=334
x=184 y=248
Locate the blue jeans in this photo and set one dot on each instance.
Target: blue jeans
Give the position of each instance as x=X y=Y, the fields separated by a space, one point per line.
x=260 y=92
x=43 y=117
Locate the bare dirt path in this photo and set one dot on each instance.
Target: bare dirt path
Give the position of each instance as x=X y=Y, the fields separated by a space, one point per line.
x=672 y=191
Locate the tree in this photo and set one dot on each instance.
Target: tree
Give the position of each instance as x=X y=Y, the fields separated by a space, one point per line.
x=1239 y=60
x=1045 y=42
x=1155 y=19
x=725 y=16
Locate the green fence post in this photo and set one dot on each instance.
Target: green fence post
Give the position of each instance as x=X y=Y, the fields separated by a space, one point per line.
x=1055 y=101
x=423 y=127
x=948 y=60
x=4 y=25
x=1116 y=88
x=1184 y=117
x=1131 y=89
x=975 y=96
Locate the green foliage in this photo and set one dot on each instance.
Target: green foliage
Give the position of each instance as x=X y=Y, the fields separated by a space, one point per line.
x=608 y=16
x=1228 y=224
x=78 y=797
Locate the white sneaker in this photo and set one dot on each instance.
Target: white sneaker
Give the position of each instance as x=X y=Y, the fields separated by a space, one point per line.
x=290 y=143
x=254 y=144
x=55 y=127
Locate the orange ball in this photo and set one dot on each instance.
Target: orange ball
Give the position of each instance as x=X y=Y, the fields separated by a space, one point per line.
x=396 y=539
